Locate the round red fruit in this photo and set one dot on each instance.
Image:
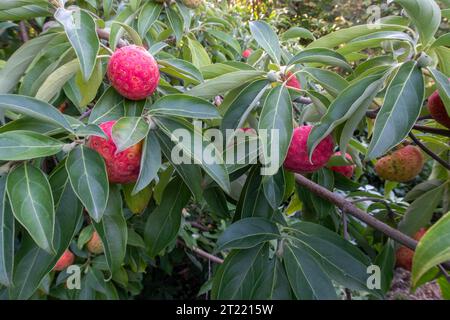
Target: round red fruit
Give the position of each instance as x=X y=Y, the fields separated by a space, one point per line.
x=66 y=260
x=346 y=171
x=122 y=167
x=133 y=72
x=292 y=81
x=437 y=110
x=247 y=53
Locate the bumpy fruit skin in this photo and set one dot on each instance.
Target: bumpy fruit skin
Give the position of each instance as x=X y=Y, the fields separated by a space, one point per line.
x=133 y=72
x=122 y=167
x=404 y=256
x=95 y=244
x=193 y=4
x=437 y=110
x=292 y=81
x=66 y=260
x=402 y=165
x=247 y=53
x=346 y=171
x=297 y=159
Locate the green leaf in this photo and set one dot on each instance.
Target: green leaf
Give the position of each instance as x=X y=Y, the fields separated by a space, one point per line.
x=26 y=12
x=89 y=180
x=113 y=230
x=266 y=38
x=330 y=81
x=184 y=106
x=164 y=222
x=181 y=69
x=32 y=264
x=433 y=249
x=199 y=55
x=321 y=56
x=347 y=102
x=88 y=90
x=426 y=16
x=34 y=108
x=276 y=117
x=308 y=280
x=241 y=276
x=386 y=261
x=131 y=32
x=151 y=156
x=189 y=149
x=227 y=39
x=420 y=212
x=24 y=145
x=400 y=110
x=6 y=237
x=247 y=233
x=129 y=131
x=297 y=32
x=20 y=60
x=109 y=107
x=32 y=204
x=443 y=86
x=81 y=30
x=224 y=83
x=175 y=22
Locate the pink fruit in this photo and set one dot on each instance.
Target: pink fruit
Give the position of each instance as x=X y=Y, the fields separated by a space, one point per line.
x=66 y=260
x=133 y=72
x=437 y=110
x=346 y=171
x=247 y=53
x=297 y=159
x=122 y=167
x=292 y=81
x=404 y=256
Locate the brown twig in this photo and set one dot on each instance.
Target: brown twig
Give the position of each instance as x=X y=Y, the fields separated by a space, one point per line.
x=441 y=161
x=23 y=32
x=202 y=253
x=441 y=132
x=104 y=35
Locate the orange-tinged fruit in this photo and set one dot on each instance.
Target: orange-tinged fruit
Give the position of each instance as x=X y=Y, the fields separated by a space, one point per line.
x=402 y=165
x=66 y=260
x=404 y=256
x=95 y=244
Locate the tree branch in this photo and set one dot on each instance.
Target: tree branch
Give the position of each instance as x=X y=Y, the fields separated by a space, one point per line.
x=444 y=163
x=441 y=132
x=202 y=253
x=23 y=32
x=104 y=35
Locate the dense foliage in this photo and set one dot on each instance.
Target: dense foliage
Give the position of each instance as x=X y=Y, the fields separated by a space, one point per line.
x=92 y=93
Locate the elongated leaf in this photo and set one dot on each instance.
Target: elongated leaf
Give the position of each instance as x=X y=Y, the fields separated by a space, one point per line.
x=433 y=248
x=227 y=39
x=322 y=56
x=330 y=81
x=308 y=280
x=32 y=204
x=113 y=231
x=276 y=118
x=247 y=233
x=89 y=180
x=18 y=63
x=110 y=106
x=151 y=156
x=420 y=212
x=181 y=69
x=224 y=83
x=400 y=110
x=175 y=22
x=148 y=15
x=6 y=237
x=24 y=145
x=443 y=86
x=129 y=131
x=341 y=109
x=425 y=14
x=241 y=276
x=199 y=55
x=184 y=106
x=266 y=38
x=33 y=108
x=297 y=32
x=164 y=222
x=81 y=31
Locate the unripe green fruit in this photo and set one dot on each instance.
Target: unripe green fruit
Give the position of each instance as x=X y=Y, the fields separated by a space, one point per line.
x=95 y=244
x=402 y=165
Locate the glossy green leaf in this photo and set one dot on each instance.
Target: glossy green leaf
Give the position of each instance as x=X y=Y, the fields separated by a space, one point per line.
x=151 y=156
x=297 y=32
x=6 y=237
x=109 y=107
x=175 y=22
x=199 y=56
x=266 y=38
x=129 y=131
x=31 y=201
x=89 y=180
x=227 y=39
x=443 y=86
x=181 y=69
x=184 y=106
x=321 y=56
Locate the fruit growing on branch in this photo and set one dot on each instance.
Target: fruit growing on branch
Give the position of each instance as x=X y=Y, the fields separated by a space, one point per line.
x=247 y=52
x=292 y=81
x=437 y=110
x=66 y=260
x=297 y=159
x=193 y=4
x=404 y=256
x=402 y=165
x=95 y=244
x=122 y=167
x=347 y=170
x=133 y=72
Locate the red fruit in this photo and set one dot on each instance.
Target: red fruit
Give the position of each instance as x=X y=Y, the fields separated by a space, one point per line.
x=292 y=81
x=122 y=167
x=437 y=110
x=346 y=171
x=402 y=165
x=133 y=72
x=297 y=159
x=404 y=256
x=95 y=244
x=66 y=260
x=247 y=53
